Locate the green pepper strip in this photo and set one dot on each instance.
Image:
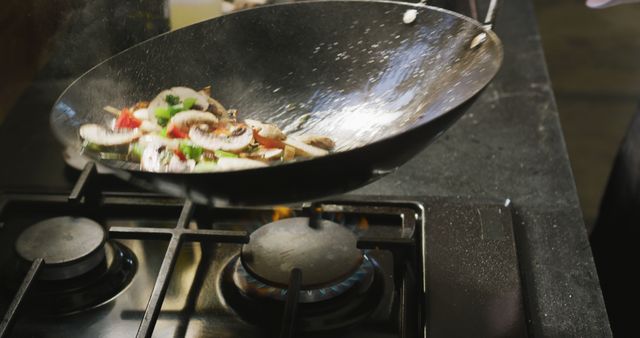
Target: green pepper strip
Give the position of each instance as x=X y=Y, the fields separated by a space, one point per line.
x=222 y=153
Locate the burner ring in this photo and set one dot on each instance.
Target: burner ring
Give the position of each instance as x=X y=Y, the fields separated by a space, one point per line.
x=357 y=303
x=55 y=298
x=70 y=246
x=252 y=287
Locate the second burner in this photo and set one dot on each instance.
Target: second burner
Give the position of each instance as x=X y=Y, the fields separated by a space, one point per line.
x=326 y=253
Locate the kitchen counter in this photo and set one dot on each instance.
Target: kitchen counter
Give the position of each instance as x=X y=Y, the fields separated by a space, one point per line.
x=508 y=147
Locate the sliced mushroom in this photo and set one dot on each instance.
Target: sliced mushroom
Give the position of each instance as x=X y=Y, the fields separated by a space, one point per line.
x=304 y=149
x=238 y=138
x=186 y=119
x=149 y=127
x=231 y=163
x=100 y=135
x=319 y=141
x=206 y=91
x=142 y=114
x=217 y=107
x=267 y=130
x=155 y=139
x=232 y=114
x=178 y=166
x=153 y=158
x=182 y=93
x=289 y=153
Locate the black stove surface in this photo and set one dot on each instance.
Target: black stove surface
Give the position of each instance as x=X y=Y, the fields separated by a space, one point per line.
x=443 y=268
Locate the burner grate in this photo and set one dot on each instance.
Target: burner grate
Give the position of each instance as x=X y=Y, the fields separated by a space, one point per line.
x=10 y=316
x=84 y=193
x=399 y=240
x=176 y=237
x=291 y=306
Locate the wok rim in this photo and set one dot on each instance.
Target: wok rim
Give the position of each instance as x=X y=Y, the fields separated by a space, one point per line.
x=120 y=169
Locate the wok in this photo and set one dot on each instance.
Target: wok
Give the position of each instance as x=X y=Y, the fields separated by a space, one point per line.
x=381 y=88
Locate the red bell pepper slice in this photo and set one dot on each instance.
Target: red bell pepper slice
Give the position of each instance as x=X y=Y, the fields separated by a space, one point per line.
x=180 y=154
x=267 y=142
x=174 y=132
x=126 y=120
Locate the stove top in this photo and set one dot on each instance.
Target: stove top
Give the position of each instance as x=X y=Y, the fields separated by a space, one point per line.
x=106 y=264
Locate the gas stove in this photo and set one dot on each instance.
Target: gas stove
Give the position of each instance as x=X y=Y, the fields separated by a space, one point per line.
x=119 y=264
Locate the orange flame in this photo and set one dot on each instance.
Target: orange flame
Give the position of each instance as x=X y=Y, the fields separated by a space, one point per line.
x=363 y=224
x=281 y=212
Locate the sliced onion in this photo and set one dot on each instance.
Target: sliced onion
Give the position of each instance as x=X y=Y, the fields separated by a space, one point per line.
x=267 y=130
x=231 y=163
x=304 y=149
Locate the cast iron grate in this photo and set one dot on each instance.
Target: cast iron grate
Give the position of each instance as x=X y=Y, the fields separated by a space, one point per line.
x=401 y=244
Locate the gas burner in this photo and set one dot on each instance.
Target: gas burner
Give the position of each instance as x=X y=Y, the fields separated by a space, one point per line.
x=69 y=246
x=325 y=253
x=81 y=270
x=354 y=305
x=255 y=288
x=340 y=286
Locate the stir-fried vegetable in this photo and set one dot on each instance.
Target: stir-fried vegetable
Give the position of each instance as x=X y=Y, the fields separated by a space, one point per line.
x=183 y=130
x=191 y=151
x=221 y=153
x=126 y=120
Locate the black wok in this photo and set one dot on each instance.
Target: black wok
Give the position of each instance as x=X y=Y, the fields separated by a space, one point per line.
x=382 y=89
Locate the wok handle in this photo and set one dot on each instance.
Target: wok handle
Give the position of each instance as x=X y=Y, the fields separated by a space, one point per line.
x=489 y=20
x=492 y=12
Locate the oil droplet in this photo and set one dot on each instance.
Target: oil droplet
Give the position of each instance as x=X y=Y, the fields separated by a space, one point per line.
x=409 y=16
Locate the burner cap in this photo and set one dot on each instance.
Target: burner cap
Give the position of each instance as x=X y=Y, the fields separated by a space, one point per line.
x=326 y=254
x=70 y=246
